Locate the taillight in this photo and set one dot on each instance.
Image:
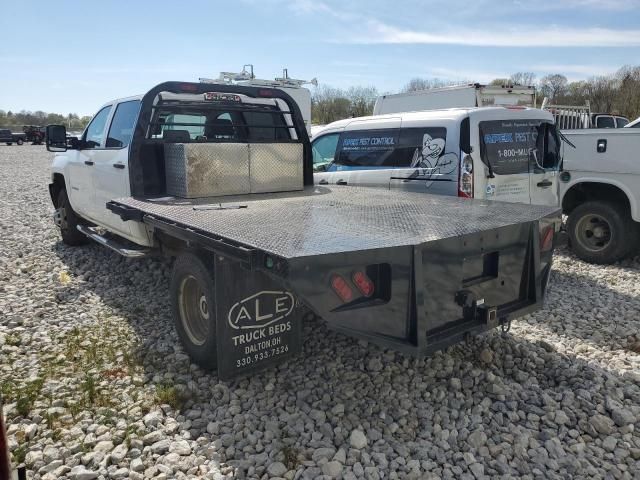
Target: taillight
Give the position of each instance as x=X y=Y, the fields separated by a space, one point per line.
x=465 y=177
x=363 y=283
x=342 y=288
x=546 y=239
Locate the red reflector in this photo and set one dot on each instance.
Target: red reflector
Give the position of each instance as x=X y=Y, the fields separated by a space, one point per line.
x=342 y=288
x=189 y=87
x=546 y=239
x=364 y=283
x=265 y=92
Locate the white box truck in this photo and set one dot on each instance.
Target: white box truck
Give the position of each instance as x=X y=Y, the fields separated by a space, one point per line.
x=457 y=96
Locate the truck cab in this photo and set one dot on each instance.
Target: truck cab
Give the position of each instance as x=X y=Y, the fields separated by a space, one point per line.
x=509 y=154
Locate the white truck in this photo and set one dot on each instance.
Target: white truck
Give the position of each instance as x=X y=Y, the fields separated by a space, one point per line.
x=456 y=96
x=600 y=192
x=220 y=177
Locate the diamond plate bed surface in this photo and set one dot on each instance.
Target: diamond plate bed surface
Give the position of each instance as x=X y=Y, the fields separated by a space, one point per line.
x=324 y=220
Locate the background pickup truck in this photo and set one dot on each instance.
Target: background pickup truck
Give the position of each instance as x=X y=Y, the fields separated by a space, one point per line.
x=600 y=192
x=10 y=138
x=221 y=178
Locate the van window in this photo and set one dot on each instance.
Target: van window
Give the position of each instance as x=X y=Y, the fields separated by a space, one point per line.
x=324 y=151
x=121 y=129
x=367 y=149
x=391 y=148
x=509 y=145
x=423 y=148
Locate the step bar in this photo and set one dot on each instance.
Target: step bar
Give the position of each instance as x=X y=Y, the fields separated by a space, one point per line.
x=92 y=233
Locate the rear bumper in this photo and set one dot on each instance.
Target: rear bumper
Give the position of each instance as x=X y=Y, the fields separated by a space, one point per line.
x=417 y=308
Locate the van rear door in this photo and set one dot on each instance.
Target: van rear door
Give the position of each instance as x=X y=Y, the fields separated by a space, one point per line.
x=544 y=162
x=505 y=149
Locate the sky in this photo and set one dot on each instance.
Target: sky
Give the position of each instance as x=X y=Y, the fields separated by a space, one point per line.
x=67 y=56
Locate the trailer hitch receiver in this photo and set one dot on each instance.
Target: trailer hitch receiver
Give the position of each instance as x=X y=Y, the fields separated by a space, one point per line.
x=476 y=309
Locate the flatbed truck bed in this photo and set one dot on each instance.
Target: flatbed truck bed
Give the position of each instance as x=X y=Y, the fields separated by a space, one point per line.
x=444 y=268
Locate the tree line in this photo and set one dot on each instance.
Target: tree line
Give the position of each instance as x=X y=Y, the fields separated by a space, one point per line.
x=16 y=120
x=618 y=93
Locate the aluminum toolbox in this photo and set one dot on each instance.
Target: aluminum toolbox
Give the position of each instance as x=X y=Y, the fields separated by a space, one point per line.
x=196 y=170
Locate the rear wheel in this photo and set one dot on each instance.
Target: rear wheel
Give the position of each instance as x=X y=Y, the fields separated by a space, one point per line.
x=601 y=232
x=67 y=221
x=192 y=291
x=19 y=141
x=9 y=143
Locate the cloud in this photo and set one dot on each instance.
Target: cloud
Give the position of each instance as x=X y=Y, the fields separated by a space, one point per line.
x=521 y=36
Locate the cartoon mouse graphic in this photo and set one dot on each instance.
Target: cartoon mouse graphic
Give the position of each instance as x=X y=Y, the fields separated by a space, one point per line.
x=428 y=159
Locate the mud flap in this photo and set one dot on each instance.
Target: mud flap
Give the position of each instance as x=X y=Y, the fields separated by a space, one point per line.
x=259 y=323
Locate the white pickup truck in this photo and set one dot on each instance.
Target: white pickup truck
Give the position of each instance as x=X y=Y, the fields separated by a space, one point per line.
x=600 y=192
x=221 y=178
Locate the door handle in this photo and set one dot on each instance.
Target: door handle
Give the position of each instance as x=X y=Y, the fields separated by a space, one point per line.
x=341 y=182
x=545 y=183
x=323 y=182
x=88 y=162
x=118 y=165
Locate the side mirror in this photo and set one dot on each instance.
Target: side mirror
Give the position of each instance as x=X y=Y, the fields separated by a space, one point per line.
x=320 y=167
x=56 y=138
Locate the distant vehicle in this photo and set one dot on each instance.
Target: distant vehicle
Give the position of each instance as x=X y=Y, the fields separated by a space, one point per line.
x=634 y=124
x=572 y=117
x=509 y=154
x=457 y=96
x=600 y=192
x=34 y=134
x=6 y=136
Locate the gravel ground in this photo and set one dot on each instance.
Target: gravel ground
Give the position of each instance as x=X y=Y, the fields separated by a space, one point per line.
x=96 y=384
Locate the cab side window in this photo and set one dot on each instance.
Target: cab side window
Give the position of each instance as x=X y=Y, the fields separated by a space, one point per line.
x=324 y=151
x=122 y=125
x=95 y=131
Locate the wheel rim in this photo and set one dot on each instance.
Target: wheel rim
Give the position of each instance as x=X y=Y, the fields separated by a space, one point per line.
x=593 y=232
x=194 y=310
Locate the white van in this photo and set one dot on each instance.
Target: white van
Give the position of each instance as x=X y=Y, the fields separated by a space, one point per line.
x=497 y=153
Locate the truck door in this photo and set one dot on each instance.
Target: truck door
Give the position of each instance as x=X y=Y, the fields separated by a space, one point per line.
x=505 y=150
x=544 y=162
x=111 y=168
x=82 y=164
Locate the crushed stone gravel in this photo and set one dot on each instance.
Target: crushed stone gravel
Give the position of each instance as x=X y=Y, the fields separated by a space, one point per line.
x=96 y=385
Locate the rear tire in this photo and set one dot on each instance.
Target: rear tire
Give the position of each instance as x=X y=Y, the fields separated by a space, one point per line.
x=9 y=143
x=68 y=221
x=192 y=291
x=601 y=232
x=20 y=142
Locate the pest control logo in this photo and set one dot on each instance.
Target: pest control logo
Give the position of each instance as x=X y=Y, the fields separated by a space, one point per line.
x=491 y=189
x=261 y=309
